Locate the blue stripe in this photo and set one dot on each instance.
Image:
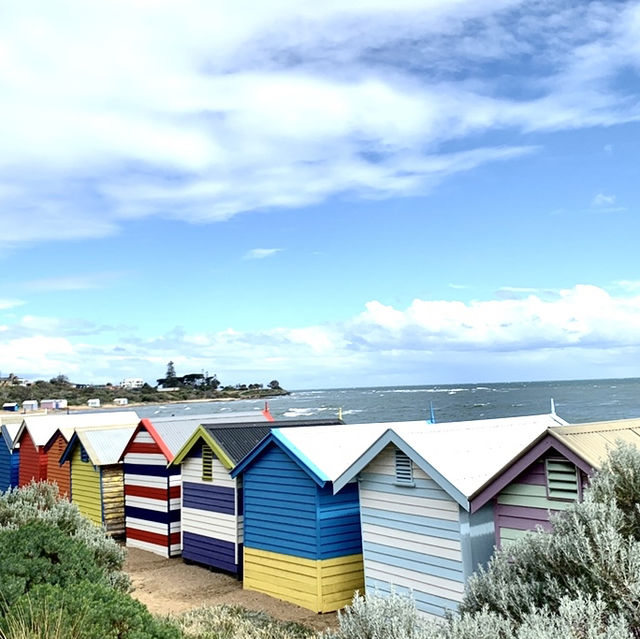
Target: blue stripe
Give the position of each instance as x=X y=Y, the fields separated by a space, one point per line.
x=146 y=469
x=152 y=515
x=429 y=526
x=210 y=552
x=425 y=602
x=217 y=499
x=411 y=560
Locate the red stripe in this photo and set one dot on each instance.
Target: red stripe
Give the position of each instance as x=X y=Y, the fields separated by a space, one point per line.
x=140 y=447
x=152 y=493
x=149 y=537
x=174 y=492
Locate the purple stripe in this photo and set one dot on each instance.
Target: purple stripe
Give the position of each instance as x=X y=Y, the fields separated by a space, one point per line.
x=523 y=524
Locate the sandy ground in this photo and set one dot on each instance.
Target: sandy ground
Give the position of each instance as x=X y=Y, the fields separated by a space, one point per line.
x=171 y=586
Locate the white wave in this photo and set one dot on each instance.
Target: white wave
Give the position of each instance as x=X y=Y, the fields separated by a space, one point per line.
x=299 y=412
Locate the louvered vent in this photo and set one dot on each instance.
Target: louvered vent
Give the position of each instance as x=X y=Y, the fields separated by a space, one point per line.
x=404 y=469
x=562 y=479
x=207 y=463
x=84 y=456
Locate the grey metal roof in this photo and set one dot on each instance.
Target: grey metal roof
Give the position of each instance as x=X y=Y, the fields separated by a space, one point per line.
x=175 y=431
x=238 y=440
x=105 y=446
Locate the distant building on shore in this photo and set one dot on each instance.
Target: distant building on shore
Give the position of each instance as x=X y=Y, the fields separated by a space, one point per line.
x=132 y=382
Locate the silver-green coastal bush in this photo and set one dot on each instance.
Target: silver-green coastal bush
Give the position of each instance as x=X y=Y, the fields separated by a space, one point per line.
x=41 y=501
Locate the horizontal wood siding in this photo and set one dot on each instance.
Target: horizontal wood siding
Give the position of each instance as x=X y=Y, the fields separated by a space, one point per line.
x=15 y=467
x=113 y=499
x=211 y=534
x=524 y=505
x=61 y=475
x=6 y=459
x=339 y=523
x=317 y=585
x=33 y=461
x=152 y=506
x=280 y=507
x=411 y=537
x=85 y=487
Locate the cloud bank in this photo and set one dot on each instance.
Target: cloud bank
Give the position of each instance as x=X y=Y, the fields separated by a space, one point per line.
x=580 y=332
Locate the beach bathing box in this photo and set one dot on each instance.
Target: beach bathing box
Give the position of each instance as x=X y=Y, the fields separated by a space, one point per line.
x=551 y=474
x=9 y=456
x=152 y=487
x=97 y=477
x=302 y=542
x=421 y=532
x=212 y=514
x=32 y=436
x=66 y=425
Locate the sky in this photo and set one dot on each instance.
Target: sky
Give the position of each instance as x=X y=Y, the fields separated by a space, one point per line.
x=330 y=194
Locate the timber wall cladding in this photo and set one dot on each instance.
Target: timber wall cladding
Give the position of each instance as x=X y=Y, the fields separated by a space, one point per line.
x=112 y=493
x=302 y=543
x=9 y=466
x=411 y=537
x=33 y=461
x=85 y=486
x=61 y=475
x=152 y=498
x=211 y=519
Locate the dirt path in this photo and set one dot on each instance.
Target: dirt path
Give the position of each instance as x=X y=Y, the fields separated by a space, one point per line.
x=171 y=586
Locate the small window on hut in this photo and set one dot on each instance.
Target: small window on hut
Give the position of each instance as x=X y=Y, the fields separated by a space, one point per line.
x=404 y=469
x=562 y=479
x=207 y=463
x=84 y=456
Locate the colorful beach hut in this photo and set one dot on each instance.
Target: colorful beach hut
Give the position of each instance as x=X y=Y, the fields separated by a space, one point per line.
x=212 y=515
x=97 y=477
x=66 y=426
x=422 y=530
x=551 y=474
x=302 y=540
x=9 y=456
x=152 y=488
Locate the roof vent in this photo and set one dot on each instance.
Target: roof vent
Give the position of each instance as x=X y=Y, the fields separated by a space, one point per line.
x=404 y=469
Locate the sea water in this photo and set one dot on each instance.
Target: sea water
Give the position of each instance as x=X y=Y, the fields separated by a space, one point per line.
x=575 y=401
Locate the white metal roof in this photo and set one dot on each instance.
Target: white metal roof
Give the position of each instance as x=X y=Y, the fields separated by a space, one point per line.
x=9 y=432
x=42 y=427
x=105 y=445
x=332 y=449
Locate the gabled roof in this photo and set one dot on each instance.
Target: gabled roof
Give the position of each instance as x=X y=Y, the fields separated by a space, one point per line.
x=461 y=457
x=9 y=432
x=103 y=445
x=231 y=441
x=42 y=427
x=171 y=433
x=593 y=441
x=324 y=452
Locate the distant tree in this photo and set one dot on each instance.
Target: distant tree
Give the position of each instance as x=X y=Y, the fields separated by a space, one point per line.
x=171 y=371
x=274 y=384
x=59 y=379
x=194 y=380
x=212 y=382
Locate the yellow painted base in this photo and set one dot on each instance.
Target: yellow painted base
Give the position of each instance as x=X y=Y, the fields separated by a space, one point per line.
x=321 y=585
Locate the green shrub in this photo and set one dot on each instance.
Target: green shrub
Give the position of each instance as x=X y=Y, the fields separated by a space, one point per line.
x=235 y=622
x=84 y=610
x=38 y=553
x=40 y=501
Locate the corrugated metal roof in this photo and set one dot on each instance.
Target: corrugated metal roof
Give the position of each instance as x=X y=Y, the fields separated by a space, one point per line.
x=593 y=441
x=469 y=454
x=42 y=427
x=9 y=432
x=238 y=440
x=175 y=431
x=105 y=446
x=330 y=450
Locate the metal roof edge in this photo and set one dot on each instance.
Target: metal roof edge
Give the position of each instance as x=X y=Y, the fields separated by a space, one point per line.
x=296 y=455
x=201 y=433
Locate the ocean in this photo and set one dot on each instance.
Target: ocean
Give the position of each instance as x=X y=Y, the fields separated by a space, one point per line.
x=575 y=401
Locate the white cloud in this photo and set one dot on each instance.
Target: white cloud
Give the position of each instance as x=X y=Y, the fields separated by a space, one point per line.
x=261 y=253
x=6 y=304
x=210 y=109
x=584 y=331
x=603 y=200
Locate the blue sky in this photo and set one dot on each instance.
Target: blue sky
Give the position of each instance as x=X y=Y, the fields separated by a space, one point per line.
x=330 y=194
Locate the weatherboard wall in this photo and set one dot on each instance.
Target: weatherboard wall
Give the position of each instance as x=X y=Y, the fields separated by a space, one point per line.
x=211 y=517
x=416 y=538
x=526 y=503
x=33 y=461
x=60 y=474
x=152 y=498
x=9 y=466
x=85 y=486
x=301 y=543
